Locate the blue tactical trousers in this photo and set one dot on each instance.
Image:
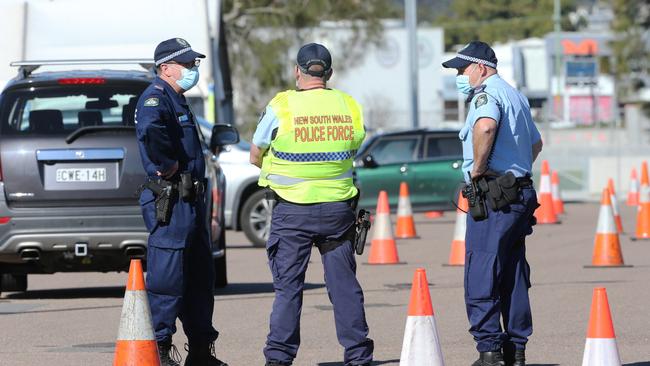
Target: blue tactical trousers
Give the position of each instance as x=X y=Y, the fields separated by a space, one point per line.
x=294 y=230
x=497 y=275
x=180 y=285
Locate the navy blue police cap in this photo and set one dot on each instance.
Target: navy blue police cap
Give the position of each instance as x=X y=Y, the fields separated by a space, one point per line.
x=175 y=49
x=314 y=54
x=476 y=52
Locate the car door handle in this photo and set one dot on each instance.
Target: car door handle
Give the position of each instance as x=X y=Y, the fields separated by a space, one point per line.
x=403 y=169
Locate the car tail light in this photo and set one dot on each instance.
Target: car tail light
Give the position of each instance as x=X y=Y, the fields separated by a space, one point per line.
x=84 y=81
x=4 y=220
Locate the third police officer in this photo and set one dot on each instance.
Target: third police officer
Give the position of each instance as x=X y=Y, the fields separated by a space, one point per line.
x=500 y=142
x=305 y=143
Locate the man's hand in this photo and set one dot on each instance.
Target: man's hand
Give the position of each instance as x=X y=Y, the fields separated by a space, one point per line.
x=257 y=153
x=487 y=173
x=169 y=173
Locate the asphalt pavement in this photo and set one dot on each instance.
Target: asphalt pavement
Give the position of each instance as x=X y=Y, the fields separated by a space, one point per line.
x=72 y=318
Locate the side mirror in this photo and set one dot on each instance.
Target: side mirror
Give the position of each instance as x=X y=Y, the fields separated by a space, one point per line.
x=223 y=134
x=369 y=162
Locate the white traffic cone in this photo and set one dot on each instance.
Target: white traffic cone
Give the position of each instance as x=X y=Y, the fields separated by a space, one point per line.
x=600 y=347
x=421 y=346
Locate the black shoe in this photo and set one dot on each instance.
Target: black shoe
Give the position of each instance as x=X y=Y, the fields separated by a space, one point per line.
x=512 y=356
x=489 y=359
x=276 y=363
x=169 y=355
x=202 y=354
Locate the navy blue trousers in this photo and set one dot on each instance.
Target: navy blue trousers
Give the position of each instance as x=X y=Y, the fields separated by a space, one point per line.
x=497 y=275
x=294 y=230
x=180 y=284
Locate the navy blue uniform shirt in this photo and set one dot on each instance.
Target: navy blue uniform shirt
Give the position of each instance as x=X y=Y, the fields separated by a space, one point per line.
x=167 y=134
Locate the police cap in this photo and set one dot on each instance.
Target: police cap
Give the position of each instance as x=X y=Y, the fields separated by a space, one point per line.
x=476 y=52
x=314 y=54
x=175 y=49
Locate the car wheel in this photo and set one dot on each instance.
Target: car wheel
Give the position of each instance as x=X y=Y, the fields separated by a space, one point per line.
x=13 y=282
x=220 y=272
x=256 y=218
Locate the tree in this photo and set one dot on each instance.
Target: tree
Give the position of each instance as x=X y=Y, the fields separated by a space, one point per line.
x=632 y=46
x=261 y=33
x=501 y=20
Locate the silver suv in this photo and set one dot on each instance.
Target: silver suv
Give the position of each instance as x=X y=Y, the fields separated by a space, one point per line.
x=245 y=207
x=69 y=172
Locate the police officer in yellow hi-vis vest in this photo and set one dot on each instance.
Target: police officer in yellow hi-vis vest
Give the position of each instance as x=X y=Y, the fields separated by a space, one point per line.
x=305 y=143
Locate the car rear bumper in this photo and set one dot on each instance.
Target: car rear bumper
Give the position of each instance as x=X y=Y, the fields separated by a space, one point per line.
x=72 y=239
x=68 y=239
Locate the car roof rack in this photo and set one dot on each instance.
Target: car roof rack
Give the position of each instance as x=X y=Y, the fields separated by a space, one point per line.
x=25 y=68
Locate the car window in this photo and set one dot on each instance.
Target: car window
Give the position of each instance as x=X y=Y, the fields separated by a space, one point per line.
x=443 y=147
x=393 y=150
x=63 y=109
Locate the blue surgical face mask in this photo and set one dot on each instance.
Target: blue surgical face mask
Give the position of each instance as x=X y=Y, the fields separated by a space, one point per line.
x=462 y=83
x=190 y=77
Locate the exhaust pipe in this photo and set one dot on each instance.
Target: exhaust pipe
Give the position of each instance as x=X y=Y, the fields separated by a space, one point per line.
x=30 y=254
x=135 y=251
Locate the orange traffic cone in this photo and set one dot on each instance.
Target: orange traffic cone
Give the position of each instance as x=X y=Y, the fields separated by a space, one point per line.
x=633 y=192
x=607 y=249
x=434 y=214
x=457 y=252
x=136 y=344
x=558 y=205
x=405 y=224
x=382 y=247
x=600 y=347
x=421 y=346
x=643 y=213
x=545 y=213
x=617 y=215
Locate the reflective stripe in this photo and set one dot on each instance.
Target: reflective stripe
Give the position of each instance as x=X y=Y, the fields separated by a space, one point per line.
x=319 y=156
x=288 y=181
x=476 y=60
x=171 y=56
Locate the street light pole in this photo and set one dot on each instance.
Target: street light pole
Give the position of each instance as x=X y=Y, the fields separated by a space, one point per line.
x=410 y=8
x=558 y=64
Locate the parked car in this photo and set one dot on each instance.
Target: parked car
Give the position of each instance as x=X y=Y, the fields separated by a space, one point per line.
x=428 y=160
x=246 y=208
x=69 y=172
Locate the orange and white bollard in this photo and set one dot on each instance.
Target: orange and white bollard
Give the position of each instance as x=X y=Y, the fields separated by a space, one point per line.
x=136 y=344
x=600 y=346
x=405 y=223
x=558 y=204
x=421 y=345
x=545 y=213
x=382 y=247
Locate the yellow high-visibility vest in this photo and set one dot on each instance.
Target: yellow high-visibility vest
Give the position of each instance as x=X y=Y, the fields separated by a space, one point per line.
x=310 y=158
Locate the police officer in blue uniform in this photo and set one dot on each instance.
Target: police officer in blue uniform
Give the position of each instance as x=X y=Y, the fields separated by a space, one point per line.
x=500 y=142
x=180 y=273
x=312 y=180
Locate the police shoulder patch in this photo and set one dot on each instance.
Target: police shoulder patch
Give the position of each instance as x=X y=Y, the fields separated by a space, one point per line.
x=481 y=99
x=151 y=102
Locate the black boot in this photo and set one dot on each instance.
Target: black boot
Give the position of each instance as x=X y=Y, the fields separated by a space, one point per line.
x=168 y=353
x=202 y=354
x=512 y=356
x=276 y=363
x=489 y=359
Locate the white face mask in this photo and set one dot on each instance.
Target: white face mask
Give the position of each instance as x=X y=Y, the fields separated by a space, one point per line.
x=462 y=82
